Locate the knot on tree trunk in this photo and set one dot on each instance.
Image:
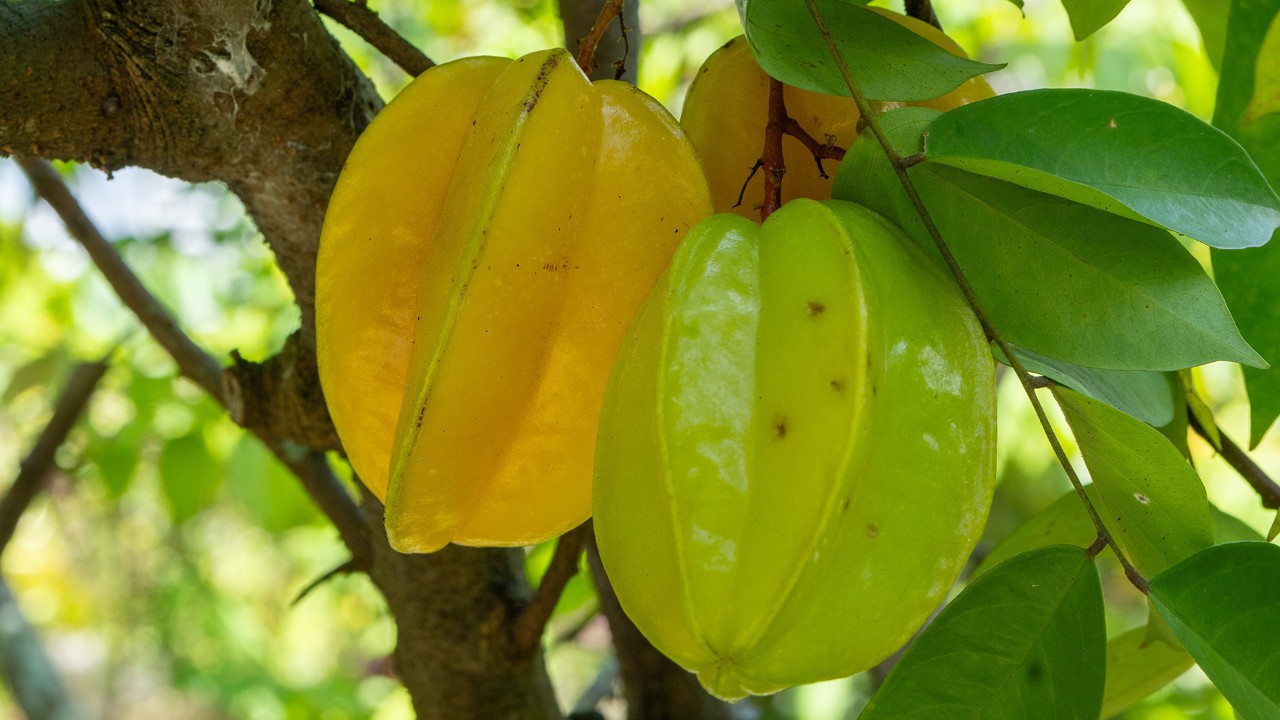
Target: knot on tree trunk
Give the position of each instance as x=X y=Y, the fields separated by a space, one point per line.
x=280 y=398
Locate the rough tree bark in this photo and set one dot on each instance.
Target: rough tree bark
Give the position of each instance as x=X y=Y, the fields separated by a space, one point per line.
x=257 y=95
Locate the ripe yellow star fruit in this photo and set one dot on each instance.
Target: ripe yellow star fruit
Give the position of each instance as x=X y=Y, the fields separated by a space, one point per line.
x=728 y=105
x=487 y=244
x=797 y=450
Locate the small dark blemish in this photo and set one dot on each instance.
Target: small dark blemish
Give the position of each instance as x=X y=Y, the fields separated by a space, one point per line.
x=779 y=427
x=872 y=530
x=816 y=308
x=844 y=505
x=837 y=385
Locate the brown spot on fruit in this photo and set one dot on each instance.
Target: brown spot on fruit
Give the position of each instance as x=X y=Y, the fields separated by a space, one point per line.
x=816 y=308
x=779 y=427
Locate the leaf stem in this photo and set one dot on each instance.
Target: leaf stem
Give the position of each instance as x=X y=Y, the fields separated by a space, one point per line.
x=871 y=117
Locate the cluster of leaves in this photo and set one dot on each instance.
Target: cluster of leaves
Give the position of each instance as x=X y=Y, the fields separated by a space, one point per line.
x=1070 y=213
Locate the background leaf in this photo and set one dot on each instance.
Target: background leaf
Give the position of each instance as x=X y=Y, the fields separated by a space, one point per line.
x=1152 y=500
x=1024 y=640
x=266 y=489
x=1211 y=18
x=1222 y=604
x=1087 y=16
x=189 y=476
x=889 y=61
x=1128 y=154
x=1136 y=668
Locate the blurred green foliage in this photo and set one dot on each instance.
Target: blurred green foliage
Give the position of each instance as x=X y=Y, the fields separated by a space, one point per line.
x=161 y=566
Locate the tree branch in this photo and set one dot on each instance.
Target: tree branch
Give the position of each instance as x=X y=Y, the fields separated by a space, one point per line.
x=360 y=19
x=1240 y=461
x=527 y=626
x=309 y=465
x=32 y=679
x=40 y=462
x=194 y=362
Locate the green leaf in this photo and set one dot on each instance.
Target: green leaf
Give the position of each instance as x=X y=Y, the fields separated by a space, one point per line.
x=1122 y=153
x=1176 y=430
x=188 y=476
x=1222 y=603
x=1063 y=522
x=1136 y=668
x=889 y=61
x=1147 y=396
x=269 y=493
x=1211 y=17
x=1025 y=640
x=1265 y=99
x=866 y=177
x=1198 y=410
x=116 y=462
x=1152 y=500
x=1247 y=278
x=1248 y=282
x=1087 y=16
x=46 y=370
x=1071 y=282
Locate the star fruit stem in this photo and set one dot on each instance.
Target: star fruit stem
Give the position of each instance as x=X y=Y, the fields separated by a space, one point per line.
x=771 y=160
x=900 y=164
x=587 y=45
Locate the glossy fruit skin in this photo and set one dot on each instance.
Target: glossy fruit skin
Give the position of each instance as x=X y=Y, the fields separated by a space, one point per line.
x=488 y=242
x=797 y=450
x=727 y=108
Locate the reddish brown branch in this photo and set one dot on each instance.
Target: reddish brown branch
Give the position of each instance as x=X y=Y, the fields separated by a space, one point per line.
x=820 y=151
x=1240 y=461
x=360 y=19
x=37 y=465
x=771 y=158
x=527 y=626
x=588 y=44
